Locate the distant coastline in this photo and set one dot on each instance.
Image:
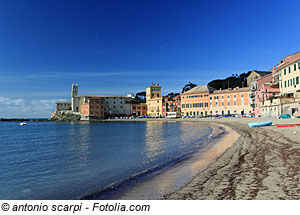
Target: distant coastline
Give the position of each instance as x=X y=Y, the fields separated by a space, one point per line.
x=22 y=119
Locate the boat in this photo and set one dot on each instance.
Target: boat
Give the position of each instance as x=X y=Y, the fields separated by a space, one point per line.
x=23 y=123
x=259 y=124
x=287 y=125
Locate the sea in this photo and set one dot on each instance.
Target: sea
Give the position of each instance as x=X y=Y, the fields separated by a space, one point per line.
x=63 y=160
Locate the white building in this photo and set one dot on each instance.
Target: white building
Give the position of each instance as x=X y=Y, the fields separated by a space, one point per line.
x=114 y=105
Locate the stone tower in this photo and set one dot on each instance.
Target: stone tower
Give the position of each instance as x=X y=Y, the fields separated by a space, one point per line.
x=73 y=94
x=74 y=90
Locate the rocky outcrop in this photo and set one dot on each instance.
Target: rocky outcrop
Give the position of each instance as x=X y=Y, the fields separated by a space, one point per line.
x=62 y=116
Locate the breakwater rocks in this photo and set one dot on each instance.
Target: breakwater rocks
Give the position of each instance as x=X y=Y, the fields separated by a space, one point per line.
x=68 y=117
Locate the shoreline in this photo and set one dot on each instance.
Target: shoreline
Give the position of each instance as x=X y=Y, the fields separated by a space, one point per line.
x=262 y=164
x=180 y=173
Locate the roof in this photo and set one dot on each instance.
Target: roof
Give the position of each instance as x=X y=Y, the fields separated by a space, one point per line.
x=199 y=89
x=289 y=59
x=235 y=90
x=110 y=96
x=262 y=73
x=63 y=102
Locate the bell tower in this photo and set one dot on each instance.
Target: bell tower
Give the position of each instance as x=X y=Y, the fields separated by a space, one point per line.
x=74 y=90
x=74 y=100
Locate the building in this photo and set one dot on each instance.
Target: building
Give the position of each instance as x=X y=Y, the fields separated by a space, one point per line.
x=63 y=106
x=230 y=101
x=257 y=95
x=139 y=109
x=92 y=108
x=130 y=95
x=171 y=103
x=154 y=100
x=195 y=102
x=274 y=107
x=289 y=74
x=113 y=105
x=255 y=75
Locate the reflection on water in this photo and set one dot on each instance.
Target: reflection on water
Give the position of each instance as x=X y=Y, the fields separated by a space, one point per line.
x=154 y=139
x=180 y=174
x=69 y=160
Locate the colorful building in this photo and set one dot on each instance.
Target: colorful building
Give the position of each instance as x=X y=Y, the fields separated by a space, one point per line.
x=154 y=100
x=195 y=102
x=114 y=105
x=92 y=108
x=255 y=75
x=139 y=109
x=289 y=74
x=258 y=93
x=230 y=101
x=171 y=103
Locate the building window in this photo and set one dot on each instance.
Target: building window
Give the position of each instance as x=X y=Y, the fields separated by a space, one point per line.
x=293 y=81
x=228 y=103
x=183 y=106
x=284 y=72
x=234 y=103
x=121 y=106
x=222 y=103
x=234 y=96
x=242 y=95
x=284 y=84
x=289 y=69
x=187 y=105
x=297 y=80
x=295 y=67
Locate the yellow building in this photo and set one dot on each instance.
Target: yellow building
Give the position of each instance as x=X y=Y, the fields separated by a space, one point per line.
x=154 y=100
x=289 y=74
x=195 y=102
x=255 y=75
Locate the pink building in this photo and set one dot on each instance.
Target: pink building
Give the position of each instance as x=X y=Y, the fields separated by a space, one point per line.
x=258 y=92
x=171 y=104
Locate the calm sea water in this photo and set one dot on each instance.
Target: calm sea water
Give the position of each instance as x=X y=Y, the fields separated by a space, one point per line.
x=50 y=160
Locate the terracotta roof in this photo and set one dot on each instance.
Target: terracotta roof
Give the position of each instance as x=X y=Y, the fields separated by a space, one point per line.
x=243 y=89
x=289 y=59
x=199 y=89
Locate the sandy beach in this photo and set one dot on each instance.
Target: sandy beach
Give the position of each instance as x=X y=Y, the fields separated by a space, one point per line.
x=262 y=164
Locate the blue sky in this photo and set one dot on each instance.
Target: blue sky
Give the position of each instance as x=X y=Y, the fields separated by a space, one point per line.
x=119 y=47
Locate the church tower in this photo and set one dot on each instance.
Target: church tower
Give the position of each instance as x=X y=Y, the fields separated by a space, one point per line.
x=74 y=90
x=73 y=94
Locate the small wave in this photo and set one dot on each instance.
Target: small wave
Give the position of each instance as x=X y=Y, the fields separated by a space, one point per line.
x=131 y=180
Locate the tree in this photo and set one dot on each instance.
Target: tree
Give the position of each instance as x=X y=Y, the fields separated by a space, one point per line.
x=141 y=95
x=188 y=86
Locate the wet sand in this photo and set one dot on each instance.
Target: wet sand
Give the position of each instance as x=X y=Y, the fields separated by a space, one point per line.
x=263 y=164
x=180 y=174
